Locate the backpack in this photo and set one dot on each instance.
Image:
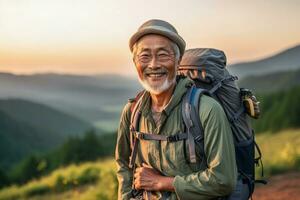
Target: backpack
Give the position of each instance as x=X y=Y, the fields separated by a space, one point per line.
x=207 y=68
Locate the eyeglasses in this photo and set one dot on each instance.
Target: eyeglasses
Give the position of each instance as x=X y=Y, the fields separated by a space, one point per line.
x=145 y=58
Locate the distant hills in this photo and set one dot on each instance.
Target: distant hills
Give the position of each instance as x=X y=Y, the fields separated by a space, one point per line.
x=18 y=139
x=27 y=127
x=286 y=60
x=38 y=112
x=271 y=82
x=44 y=117
x=99 y=99
x=90 y=98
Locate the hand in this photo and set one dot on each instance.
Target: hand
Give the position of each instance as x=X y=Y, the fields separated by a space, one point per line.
x=146 y=178
x=149 y=179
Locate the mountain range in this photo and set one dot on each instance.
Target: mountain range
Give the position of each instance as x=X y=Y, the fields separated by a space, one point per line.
x=90 y=98
x=27 y=128
x=269 y=83
x=286 y=60
x=37 y=112
x=99 y=99
x=44 y=117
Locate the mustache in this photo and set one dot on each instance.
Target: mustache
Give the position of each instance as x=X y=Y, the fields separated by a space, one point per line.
x=155 y=71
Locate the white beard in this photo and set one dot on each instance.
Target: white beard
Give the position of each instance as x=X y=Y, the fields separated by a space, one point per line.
x=159 y=88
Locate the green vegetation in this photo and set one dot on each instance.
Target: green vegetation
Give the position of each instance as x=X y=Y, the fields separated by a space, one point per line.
x=3 y=179
x=280 y=151
x=97 y=180
x=74 y=150
x=280 y=111
x=44 y=176
x=18 y=139
x=271 y=82
x=27 y=128
x=87 y=181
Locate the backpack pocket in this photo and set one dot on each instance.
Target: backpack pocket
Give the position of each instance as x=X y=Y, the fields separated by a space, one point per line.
x=245 y=158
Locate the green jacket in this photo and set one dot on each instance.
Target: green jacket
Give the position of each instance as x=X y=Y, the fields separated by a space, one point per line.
x=190 y=181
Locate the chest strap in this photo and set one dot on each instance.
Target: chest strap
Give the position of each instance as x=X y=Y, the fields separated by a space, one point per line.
x=171 y=138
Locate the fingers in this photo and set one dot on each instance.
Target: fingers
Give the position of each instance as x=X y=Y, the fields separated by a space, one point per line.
x=137 y=178
x=141 y=172
x=146 y=170
x=137 y=183
x=143 y=169
x=136 y=174
x=141 y=182
x=142 y=177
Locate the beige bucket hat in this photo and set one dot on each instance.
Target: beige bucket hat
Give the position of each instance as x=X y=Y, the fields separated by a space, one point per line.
x=160 y=27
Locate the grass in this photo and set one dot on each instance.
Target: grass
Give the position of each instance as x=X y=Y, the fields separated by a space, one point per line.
x=97 y=180
x=281 y=151
x=87 y=181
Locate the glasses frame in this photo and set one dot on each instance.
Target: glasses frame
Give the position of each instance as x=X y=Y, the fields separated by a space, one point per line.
x=168 y=57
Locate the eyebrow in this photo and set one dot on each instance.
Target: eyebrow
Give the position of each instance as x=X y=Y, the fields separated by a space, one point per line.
x=145 y=49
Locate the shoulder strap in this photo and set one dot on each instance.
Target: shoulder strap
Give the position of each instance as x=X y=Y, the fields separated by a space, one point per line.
x=190 y=114
x=134 y=126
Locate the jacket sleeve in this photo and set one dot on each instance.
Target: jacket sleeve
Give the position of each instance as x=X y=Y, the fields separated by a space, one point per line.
x=122 y=154
x=220 y=177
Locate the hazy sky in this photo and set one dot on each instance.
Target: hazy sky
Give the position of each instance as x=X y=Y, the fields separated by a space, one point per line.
x=91 y=36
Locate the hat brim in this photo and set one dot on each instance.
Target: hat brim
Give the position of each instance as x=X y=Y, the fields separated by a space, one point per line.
x=170 y=35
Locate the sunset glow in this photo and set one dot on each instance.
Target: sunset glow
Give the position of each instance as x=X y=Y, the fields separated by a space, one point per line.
x=91 y=36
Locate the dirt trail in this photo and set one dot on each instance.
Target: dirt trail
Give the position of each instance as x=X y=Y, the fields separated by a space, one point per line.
x=280 y=187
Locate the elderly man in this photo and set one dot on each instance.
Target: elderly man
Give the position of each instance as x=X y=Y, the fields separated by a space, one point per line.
x=160 y=168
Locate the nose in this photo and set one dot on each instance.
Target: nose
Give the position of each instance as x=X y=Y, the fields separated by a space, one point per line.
x=154 y=63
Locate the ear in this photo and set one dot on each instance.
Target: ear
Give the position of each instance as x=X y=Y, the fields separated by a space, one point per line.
x=134 y=62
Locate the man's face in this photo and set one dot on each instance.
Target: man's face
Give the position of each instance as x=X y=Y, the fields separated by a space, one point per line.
x=155 y=63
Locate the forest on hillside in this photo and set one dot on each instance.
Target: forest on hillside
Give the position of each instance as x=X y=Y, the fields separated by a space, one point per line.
x=280 y=111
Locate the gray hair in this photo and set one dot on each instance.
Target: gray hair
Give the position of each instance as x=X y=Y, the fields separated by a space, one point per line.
x=174 y=46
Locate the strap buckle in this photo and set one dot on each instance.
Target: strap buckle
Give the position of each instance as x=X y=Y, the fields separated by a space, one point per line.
x=173 y=138
x=139 y=135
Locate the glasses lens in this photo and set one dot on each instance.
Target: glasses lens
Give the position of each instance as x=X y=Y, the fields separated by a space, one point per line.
x=160 y=57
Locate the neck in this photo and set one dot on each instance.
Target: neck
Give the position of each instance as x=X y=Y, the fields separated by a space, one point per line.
x=159 y=101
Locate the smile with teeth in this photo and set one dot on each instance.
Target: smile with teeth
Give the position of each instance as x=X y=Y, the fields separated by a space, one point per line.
x=156 y=74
